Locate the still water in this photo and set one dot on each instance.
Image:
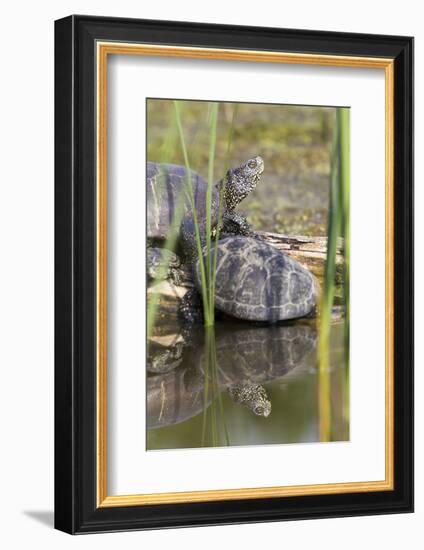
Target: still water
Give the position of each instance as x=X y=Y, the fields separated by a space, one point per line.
x=239 y=384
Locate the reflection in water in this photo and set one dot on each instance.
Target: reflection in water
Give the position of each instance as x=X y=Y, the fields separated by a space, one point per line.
x=253 y=396
x=240 y=385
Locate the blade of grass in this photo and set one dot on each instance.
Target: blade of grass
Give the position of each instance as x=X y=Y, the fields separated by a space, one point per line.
x=189 y=190
x=345 y=194
x=212 y=147
x=215 y=388
x=327 y=298
x=221 y=196
x=205 y=393
x=221 y=407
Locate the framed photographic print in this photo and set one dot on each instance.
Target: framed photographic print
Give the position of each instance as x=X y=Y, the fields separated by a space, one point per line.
x=234 y=269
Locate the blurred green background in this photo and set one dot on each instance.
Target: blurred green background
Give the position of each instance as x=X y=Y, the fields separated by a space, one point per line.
x=294 y=141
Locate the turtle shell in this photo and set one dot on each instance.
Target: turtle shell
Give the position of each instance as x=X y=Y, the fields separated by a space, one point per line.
x=245 y=355
x=170 y=401
x=257 y=282
x=166 y=190
x=257 y=355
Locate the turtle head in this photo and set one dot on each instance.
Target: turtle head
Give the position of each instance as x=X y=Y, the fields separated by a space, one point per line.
x=253 y=396
x=258 y=400
x=240 y=181
x=262 y=408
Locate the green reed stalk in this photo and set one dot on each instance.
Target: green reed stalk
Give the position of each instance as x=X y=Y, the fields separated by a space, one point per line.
x=205 y=391
x=345 y=230
x=212 y=147
x=213 y=412
x=215 y=388
x=215 y=366
x=221 y=196
x=327 y=298
x=190 y=195
x=208 y=409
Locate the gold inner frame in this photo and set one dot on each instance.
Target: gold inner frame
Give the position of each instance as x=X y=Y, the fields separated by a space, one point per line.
x=104 y=49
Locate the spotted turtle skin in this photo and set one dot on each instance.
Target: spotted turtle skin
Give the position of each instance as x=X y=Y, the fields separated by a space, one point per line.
x=168 y=204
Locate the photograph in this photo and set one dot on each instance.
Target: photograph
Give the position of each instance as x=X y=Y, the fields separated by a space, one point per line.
x=247 y=274
x=233 y=274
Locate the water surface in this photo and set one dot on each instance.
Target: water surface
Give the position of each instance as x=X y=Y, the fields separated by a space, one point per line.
x=191 y=405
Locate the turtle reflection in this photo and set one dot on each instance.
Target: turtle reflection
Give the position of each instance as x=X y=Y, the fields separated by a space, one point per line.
x=239 y=360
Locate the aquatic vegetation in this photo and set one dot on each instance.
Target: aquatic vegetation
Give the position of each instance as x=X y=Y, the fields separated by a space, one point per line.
x=189 y=192
x=213 y=417
x=231 y=128
x=345 y=196
x=338 y=225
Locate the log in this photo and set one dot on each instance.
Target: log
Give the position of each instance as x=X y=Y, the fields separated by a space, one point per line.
x=310 y=252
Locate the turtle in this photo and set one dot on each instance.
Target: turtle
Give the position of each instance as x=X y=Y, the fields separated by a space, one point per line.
x=247 y=357
x=170 y=401
x=163 y=264
x=253 y=396
x=255 y=282
x=162 y=359
x=168 y=205
x=257 y=354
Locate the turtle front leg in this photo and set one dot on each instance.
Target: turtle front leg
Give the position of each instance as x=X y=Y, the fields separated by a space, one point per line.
x=175 y=276
x=163 y=264
x=191 y=309
x=236 y=224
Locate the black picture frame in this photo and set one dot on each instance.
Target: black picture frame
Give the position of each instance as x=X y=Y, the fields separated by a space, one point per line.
x=76 y=508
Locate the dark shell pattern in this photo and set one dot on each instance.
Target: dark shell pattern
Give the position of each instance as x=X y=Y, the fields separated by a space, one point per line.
x=170 y=401
x=257 y=282
x=165 y=187
x=257 y=355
